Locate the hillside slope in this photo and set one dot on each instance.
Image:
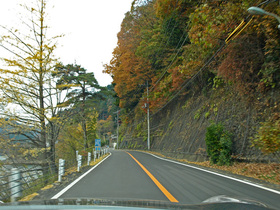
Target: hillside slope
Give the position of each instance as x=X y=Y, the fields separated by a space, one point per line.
x=179 y=129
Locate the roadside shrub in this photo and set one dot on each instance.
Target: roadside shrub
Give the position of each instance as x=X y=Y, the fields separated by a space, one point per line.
x=219 y=144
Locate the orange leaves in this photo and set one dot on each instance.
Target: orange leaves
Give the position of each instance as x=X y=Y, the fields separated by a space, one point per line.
x=129 y=70
x=165 y=7
x=150 y=45
x=268 y=172
x=177 y=78
x=242 y=63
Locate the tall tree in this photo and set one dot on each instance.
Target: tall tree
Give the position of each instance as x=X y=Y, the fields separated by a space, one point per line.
x=83 y=92
x=129 y=70
x=26 y=81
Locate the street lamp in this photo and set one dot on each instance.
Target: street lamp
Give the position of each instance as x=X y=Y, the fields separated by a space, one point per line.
x=259 y=11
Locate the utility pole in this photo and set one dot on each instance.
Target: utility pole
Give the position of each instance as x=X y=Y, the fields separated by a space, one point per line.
x=117 y=120
x=118 y=129
x=148 y=116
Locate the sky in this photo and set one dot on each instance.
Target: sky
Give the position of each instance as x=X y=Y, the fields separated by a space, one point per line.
x=90 y=28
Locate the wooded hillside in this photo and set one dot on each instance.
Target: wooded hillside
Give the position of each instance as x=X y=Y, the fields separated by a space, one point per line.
x=198 y=49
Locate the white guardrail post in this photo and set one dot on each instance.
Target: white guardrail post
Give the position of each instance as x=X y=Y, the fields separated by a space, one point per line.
x=15 y=184
x=79 y=162
x=77 y=154
x=94 y=155
x=89 y=158
x=61 y=170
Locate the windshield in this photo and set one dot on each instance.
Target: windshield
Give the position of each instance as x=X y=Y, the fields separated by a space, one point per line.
x=164 y=104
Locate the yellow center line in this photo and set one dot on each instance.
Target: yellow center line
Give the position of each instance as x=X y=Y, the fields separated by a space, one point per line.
x=158 y=184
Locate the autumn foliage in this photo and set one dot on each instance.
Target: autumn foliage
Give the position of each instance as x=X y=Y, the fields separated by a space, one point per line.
x=268 y=137
x=166 y=42
x=242 y=63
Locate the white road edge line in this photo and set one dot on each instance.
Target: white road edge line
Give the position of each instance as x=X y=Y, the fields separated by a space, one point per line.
x=78 y=179
x=211 y=172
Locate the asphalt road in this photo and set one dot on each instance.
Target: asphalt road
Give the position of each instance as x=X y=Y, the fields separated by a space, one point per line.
x=140 y=176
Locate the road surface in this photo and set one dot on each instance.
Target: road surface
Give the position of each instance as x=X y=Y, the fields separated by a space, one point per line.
x=135 y=175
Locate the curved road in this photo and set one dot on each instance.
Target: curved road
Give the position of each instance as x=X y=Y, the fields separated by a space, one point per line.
x=140 y=176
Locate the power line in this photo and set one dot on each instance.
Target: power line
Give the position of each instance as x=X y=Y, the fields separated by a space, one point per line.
x=168 y=67
x=189 y=81
x=233 y=35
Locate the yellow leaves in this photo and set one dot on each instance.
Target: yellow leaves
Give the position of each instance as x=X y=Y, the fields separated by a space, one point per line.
x=32 y=153
x=268 y=172
x=268 y=137
x=54 y=118
x=92 y=163
x=29 y=197
x=47 y=187
x=6 y=81
x=61 y=105
x=6 y=37
x=63 y=86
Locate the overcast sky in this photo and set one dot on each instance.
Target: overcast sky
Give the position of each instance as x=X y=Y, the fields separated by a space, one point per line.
x=90 y=28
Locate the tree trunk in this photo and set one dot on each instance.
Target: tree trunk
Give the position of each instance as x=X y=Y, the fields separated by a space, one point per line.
x=84 y=125
x=52 y=147
x=41 y=90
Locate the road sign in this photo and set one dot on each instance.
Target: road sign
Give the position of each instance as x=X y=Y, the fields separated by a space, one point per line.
x=98 y=144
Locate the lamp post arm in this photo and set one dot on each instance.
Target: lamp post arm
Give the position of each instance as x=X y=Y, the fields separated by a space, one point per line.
x=259 y=11
x=273 y=15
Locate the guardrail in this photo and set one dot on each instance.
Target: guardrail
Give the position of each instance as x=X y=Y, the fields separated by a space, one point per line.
x=21 y=181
